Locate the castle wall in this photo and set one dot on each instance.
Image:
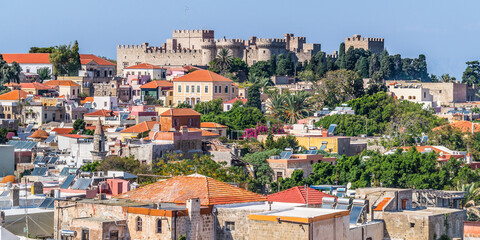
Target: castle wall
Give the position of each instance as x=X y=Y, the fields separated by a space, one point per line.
x=375 y=45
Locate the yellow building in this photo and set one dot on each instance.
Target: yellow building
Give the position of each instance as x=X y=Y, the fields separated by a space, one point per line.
x=203 y=86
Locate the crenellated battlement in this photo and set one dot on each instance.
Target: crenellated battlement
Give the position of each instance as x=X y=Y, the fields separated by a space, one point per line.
x=375 y=39
x=223 y=40
x=179 y=51
x=193 y=31
x=270 y=40
x=131 y=46
x=358 y=38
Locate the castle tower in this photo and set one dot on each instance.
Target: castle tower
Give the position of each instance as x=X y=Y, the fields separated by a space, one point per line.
x=98 y=153
x=208 y=51
x=267 y=47
x=375 y=45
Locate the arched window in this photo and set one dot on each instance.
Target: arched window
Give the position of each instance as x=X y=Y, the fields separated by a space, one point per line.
x=139 y=224
x=159 y=225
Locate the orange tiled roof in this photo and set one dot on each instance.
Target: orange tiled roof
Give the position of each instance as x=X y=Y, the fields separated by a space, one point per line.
x=298 y=195
x=204 y=133
x=180 y=112
x=26 y=57
x=77 y=136
x=244 y=100
x=211 y=125
x=202 y=76
x=157 y=83
x=40 y=134
x=43 y=58
x=141 y=127
x=62 y=131
x=87 y=99
x=181 y=188
x=144 y=66
x=101 y=113
x=86 y=58
x=62 y=83
x=14 y=95
x=34 y=85
x=464 y=126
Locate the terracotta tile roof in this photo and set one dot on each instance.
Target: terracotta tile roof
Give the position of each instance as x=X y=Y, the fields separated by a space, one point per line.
x=157 y=83
x=202 y=76
x=101 y=113
x=26 y=57
x=180 y=112
x=204 y=133
x=298 y=195
x=34 y=85
x=62 y=83
x=211 y=125
x=181 y=188
x=244 y=100
x=14 y=95
x=141 y=127
x=87 y=99
x=43 y=58
x=63 y=96
x=77 y=136
x=62 y=131
x=40 y=134
x=464 y=126
x=144 y=66
x=86 y=58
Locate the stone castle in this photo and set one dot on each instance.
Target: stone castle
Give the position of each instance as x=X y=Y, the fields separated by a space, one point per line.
x=375 y=45
x=199 y=47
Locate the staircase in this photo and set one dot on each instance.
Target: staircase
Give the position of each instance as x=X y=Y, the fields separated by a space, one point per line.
x=382 y=204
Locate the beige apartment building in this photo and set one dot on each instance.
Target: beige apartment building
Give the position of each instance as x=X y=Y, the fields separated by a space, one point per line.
x=203 y=86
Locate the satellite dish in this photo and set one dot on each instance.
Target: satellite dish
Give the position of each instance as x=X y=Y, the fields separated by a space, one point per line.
x=349 y=185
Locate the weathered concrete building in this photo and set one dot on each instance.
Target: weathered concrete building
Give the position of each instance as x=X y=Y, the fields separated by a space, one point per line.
x=199 y=47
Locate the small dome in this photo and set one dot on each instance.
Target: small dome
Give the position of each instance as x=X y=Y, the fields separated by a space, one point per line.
x=9 y=178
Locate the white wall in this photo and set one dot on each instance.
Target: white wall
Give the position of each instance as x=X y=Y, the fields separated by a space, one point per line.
x=107 y=103
x=34 y=67
x=7 y=160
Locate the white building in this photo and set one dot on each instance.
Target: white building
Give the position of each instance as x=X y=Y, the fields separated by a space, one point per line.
x=145 y=69
x=105 y=102
x=412 y=92
x=76 y=149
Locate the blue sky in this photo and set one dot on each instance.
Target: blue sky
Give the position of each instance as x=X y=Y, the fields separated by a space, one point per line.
x=447 y=32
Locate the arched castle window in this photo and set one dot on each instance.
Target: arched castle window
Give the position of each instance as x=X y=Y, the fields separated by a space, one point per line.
x=159 y=225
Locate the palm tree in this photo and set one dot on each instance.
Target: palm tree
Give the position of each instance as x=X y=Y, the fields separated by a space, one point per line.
x=276 y=105
x=263 y=82
x=223 y=61
x=297 y=106
x=470 y=200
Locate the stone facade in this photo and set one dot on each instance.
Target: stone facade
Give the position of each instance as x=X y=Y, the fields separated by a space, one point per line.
x=199 y=47
x=375 y=45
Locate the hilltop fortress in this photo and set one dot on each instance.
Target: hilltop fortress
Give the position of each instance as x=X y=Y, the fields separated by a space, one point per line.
x=199 y=47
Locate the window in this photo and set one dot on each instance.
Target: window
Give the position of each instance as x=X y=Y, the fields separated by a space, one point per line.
x=190 y=122
x=206 y=89
x=159 y=225
x=85 y=234
x=139 y=224
x=114 y=235
x=175 y=123
x=229 y=226
x=198 y=89
x=187 y=88
x=193 y=89
x=233 y=90
x=46 y=116
x=226 y=89
x=179 y=88
x=424 y=94
x=219 y=89
x=215 y=89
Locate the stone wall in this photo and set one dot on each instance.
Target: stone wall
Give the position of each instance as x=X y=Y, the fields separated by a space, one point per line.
x=372 y=230
x=375 y=45
x=284 y=230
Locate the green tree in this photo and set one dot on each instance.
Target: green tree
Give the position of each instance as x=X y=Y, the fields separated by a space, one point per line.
x=184 y=105
x=341 y=62
x=127 y=164
x=223 y=61
x=374 y=64
x=44 y=73
x=297 y=106
x=74 y=64
x=261 y=69
x=253 y=97
x=447 y=78
x=471 y=75
x=362 y=67
x=41 y=49
x=387 y=66
x=338 y=87
x=90 y=167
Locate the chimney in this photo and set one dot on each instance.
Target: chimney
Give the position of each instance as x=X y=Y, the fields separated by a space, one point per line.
x=193 y=220
x=15 y=196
